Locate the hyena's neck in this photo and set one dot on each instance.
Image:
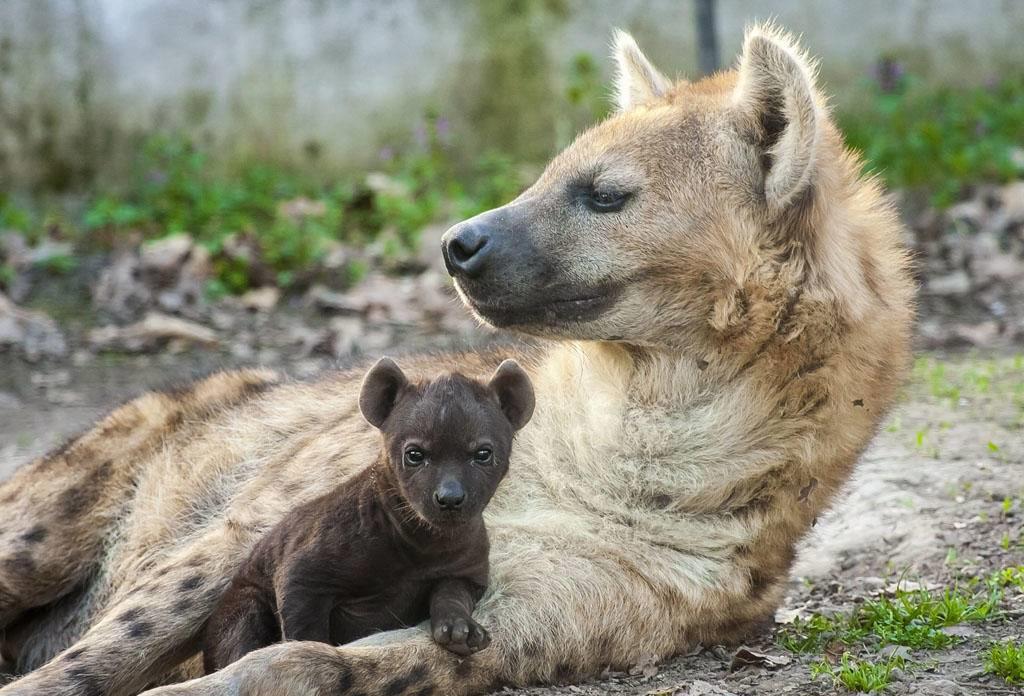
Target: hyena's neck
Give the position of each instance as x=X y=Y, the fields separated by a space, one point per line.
x=610 y=422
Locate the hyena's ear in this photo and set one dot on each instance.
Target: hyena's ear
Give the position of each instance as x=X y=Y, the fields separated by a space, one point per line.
x=380 y=390
x=636 y=80
x=776 y=97
x=515 y=393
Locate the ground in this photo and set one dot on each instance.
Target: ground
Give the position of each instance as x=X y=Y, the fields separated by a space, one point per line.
x=937 y=500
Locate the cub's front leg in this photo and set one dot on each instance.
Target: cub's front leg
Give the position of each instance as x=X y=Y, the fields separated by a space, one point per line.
x=305 y=610
x=451 y=616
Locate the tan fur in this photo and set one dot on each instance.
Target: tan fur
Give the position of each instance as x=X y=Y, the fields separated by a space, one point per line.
x=682 y=444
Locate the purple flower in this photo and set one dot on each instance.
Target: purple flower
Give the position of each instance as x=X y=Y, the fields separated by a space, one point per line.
x=420 y=135
x=386 y=154
x=442 y=127
x=889 y=74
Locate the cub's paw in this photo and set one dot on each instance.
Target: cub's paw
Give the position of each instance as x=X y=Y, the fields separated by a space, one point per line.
x=460 y=634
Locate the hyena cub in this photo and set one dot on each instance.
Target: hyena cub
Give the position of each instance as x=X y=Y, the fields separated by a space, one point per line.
x=400 y=541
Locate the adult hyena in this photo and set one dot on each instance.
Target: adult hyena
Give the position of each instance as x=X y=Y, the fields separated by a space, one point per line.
x=729 y=309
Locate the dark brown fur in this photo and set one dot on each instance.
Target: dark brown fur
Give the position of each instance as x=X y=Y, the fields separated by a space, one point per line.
x=401 y=540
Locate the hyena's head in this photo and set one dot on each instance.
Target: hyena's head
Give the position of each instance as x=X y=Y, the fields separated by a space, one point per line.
x=651 y=227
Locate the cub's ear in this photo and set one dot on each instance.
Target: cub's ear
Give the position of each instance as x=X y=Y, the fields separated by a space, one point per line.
x=380 y=390
x=637 y=81
x=515 y=393
x=775 y=95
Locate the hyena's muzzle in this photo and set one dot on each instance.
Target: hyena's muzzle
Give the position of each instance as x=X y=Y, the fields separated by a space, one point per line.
x=512 y=272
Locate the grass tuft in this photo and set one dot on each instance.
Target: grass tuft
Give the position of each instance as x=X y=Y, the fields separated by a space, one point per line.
x=1006 y=660
x=862 y=676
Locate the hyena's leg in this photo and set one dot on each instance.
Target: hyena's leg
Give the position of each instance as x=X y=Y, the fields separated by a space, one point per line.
x=154 y=625
x=56 y=512
x=553 y=616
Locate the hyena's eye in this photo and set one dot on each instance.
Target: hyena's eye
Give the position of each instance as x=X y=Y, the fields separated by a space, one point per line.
x=414 y=457
x=606 y=201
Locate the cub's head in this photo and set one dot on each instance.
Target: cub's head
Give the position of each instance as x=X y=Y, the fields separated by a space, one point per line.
x=658 y=225
x=447 y=440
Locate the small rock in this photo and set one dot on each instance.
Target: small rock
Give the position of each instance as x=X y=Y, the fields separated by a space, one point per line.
x=998 y=267
x=166 y=256
x=1012 y=200
x=981 y=334
x=329 y=300
x=939 y=687
x=300 y=208
x=382 y=184
x=337 y=256
x=894 y=651
x=32 y=333
x=646 y=667
x=972 y=213
x=261 y=299
x=14 y=250
x=154 y=331
x=699 y=687
x=47 y=250
x=120 y=290
x=953 y=284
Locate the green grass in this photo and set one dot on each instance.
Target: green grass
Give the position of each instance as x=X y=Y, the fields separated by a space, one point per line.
x=1012 y=577
x=974 y=380
x=861 y=676
x=914 y=619
x=1006 y=660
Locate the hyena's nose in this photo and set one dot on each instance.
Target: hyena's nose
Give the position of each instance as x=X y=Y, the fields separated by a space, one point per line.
x=466 y=248
x=450 y=495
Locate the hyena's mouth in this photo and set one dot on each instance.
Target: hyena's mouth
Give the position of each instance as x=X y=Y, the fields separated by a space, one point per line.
x=546 y=308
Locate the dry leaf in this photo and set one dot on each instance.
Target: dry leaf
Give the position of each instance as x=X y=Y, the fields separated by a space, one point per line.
x=745 y=657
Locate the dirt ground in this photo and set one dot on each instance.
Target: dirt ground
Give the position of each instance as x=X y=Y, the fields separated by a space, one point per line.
x=937 y=498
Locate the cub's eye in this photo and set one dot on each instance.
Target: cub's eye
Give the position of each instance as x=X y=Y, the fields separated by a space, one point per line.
x=414 y=457
x=606 y=201
x=483 y=455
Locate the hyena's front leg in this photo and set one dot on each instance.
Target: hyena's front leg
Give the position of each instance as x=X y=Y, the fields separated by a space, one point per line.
x=552 y=617
x=152 y=627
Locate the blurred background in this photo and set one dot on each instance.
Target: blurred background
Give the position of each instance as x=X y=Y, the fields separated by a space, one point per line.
x=192 y=184
x=187 y=185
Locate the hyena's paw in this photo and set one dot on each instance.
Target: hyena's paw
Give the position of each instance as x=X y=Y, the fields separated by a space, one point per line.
x=460 y=634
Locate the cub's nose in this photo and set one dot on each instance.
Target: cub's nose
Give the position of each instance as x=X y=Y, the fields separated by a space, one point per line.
x=450 y=495
x=466 y=247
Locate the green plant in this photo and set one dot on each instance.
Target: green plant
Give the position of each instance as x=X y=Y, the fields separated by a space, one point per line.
x=1006 y=660
x=1012 y=576
x=940 y=139
x=916 y=619
x=861 y=676
x=7 y=275
x=289 y=221
x=586 y=88
x=13 y=216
